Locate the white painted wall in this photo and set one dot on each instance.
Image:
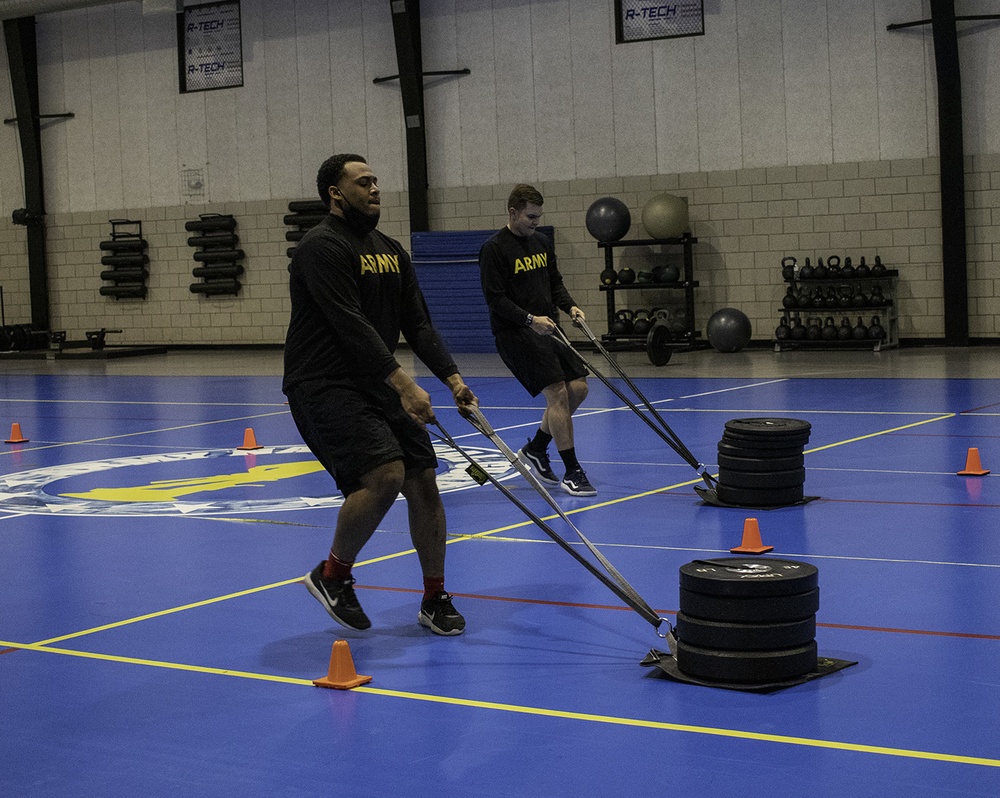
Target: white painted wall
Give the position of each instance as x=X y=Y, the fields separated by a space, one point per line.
x=550 y=97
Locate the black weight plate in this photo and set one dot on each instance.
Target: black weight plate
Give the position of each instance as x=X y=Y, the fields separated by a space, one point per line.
x=759 y=497
x=748 y=577
x=738 y=450
x=757 y=465
x=740 y=609
x=658 y=344
x=773 y=442
x=767 y=426
x=745 y=636
x=774 y=480
x=746 y=667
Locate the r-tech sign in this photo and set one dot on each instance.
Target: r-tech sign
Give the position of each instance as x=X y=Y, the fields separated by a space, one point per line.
x=640 y=20
x=211 y=44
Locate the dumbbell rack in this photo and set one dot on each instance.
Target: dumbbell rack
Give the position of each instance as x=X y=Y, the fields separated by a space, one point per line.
x=887 y=312
x=681 y=340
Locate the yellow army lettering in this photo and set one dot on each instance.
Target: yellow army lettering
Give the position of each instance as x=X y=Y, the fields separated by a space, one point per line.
x=534 y=262
x=379 y=264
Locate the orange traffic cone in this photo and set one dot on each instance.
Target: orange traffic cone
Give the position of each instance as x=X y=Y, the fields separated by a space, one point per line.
x=249 y=440
x=341 y=675
x=973 y=468
x=15 y=434
x=752 y=543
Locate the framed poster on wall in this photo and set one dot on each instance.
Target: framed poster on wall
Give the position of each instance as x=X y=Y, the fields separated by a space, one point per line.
x=210 y=46
x=642 y=20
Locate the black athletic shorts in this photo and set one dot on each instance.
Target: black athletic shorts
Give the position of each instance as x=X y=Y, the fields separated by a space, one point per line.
x=353 y=429
x=536 y=360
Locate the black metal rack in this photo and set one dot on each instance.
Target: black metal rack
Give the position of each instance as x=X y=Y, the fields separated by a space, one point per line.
x=681 y=339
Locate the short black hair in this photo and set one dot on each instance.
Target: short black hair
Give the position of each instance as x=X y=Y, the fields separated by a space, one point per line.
x=331 y=171
x=523 y=195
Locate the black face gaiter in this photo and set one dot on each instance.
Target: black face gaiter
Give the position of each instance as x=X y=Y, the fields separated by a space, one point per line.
x=360 y=222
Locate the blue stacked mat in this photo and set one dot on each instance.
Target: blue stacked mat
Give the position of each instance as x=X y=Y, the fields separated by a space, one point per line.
x=447 y=264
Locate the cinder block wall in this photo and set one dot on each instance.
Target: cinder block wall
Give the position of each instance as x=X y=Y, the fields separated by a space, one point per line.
x=746 y=221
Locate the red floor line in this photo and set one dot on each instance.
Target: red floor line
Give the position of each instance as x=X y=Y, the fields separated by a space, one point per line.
x=908 y=631
x=543 y=602
x=932 y=435
x=913 y=504
x=8 y=650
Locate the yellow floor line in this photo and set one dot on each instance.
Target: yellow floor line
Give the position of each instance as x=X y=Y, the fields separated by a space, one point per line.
x=537 y=711
x=144 y=432
x=453 y=539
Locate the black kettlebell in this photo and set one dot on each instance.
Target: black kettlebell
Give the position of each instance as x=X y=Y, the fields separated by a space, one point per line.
x=863 y=270
x=806 y=272
x=860 y=332
x=830 y=300
x=820 y=272
x=847 y=271
x=844 y=298
x=783 y=331
x=844 y=331
x=622 y=324
x=813 y=330
x=790 y=300
x=833 y=266
x=860 y=298
x=829 y=331
x=876 y=299
x=626 y=276
x=798 y=331
x=641 y=322
x=609 y=276
x=876 y=332
x=878 y=269
x=788 y=268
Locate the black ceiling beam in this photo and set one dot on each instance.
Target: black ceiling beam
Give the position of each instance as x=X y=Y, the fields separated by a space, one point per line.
x=22 y=58
x=409 y=59
x=954 y=253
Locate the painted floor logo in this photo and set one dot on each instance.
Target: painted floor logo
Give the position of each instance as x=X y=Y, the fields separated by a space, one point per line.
x=124 y=487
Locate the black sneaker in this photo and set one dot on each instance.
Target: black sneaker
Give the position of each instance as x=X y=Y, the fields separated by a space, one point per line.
x=576 y=483
x=338 y=597
x=539 y=462
x=438 y=615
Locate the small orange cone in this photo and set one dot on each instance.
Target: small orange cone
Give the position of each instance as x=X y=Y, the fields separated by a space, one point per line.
x=15 y=434
x=249 y=440
x=341 y=675
x=752 y=543
x=973 y=468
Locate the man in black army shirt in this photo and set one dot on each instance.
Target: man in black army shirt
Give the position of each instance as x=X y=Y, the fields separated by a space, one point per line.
x=524 y=291
x=353 y=291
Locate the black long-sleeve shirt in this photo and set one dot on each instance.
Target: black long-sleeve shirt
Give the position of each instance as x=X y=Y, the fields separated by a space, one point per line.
x=352 y=296
x=519 y=276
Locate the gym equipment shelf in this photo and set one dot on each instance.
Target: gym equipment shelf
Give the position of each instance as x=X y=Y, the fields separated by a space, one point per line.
x=886 y=311
x=681 y=340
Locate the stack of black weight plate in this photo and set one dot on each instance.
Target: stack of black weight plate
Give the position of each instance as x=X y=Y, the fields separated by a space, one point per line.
x=747 y=620
x=761 y=463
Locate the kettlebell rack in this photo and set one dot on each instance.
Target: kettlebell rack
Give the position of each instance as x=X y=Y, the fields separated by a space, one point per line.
x=621 y=323
x=838 y=305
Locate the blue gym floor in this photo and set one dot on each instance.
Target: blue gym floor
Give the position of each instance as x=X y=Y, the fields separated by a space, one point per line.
x=156 y=640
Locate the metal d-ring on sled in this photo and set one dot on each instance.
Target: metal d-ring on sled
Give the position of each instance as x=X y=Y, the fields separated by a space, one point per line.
x=616 y=583
x=663 y=430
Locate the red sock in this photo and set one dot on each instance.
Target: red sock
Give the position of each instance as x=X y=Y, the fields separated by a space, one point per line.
x=432 y=586
x=337 y=569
